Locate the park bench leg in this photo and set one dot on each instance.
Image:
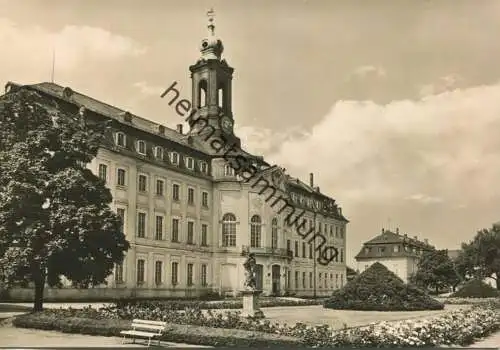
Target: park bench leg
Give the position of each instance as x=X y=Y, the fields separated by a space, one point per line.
x=149 y=342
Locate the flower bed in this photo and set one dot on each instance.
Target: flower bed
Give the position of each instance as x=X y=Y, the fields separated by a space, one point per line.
x=205 y=327
x=204 y=305
x=61 y=320
x=495 y=302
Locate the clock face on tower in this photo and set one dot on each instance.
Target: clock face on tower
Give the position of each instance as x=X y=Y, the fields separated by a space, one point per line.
x=226 y=124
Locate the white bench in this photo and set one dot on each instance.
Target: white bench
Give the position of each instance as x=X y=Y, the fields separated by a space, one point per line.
x=145 y=329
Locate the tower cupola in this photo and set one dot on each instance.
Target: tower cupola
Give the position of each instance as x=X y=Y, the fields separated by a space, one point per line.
x=211 y=47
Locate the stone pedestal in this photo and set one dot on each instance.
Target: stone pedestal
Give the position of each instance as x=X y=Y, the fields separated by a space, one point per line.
x=251 y=304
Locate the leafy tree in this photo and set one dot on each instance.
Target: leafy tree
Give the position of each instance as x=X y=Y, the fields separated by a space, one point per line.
x=480 y=258
x=435 y=270
x=55 y=218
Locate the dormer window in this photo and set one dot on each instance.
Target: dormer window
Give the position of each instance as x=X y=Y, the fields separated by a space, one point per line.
x=228 y=170
x=174 y=158
x=120 y=139
x=204 y=167
x=158 y=152
x=189 y=163
x=141 y=147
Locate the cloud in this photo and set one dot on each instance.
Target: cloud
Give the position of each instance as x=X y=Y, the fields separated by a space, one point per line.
x=424 y=199
x=29 y=49
x=368 y=70
x=149 y=90
x=446 y=83
x=445 y=146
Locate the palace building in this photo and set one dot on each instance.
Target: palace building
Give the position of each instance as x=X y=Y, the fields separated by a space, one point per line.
x=189 y=216
x=398 y=252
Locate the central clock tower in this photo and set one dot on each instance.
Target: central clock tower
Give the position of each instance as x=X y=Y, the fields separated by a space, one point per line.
x=211 y=78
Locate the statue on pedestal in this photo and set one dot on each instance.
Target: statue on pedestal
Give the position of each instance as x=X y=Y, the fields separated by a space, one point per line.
x=249 y=265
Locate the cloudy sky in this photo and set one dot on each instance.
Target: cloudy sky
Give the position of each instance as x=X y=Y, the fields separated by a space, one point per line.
x=394 y=105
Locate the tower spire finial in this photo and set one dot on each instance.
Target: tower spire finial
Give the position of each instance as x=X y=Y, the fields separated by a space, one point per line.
x=211 y=25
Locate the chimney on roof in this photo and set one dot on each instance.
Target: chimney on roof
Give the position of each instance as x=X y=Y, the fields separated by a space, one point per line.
x=383 y=230
x=397 y=230
x=311 y=180
x=179 y=128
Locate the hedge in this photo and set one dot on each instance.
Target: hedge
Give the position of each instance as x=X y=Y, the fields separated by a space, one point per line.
x=476 y=289
x=203 y=305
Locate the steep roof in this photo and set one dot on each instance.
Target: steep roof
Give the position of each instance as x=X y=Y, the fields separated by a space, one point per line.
x=187 y=140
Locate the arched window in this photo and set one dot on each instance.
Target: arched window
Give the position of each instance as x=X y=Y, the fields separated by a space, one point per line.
x=220 y=97
x=255 y=231
x=229 y=230
x=202 y=93
x=228 y=170
x=274 y=233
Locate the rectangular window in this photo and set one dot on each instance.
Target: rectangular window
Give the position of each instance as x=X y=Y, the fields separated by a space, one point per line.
x=121 y=213
x=204 y=234
x=304 y=280
x=142 y=183
x=140 y=270
x=396 y=249
x=159 y=228
x=120 y=177
x=118 y=273
x=158 y=272
x=190 y=233
x=120 y=139
x=203 y=275
x=141 y=147
x=341 y=255
x=303 y=249
x=288 y=246
x=141 y=225
x=175 y=271
x=103 y=172
x=204 y=167
x=341 y=280
x=174 y=158
x=191 y=196
x=310 y=280
x=296 y=248
x=189 y=274
x=204 y=199
x=160 y=187
x=175 y=230
x=319 y=280
x=310 y=251
x=189 y=163
x=175 y=192
x=341 y=232
x=296 y=279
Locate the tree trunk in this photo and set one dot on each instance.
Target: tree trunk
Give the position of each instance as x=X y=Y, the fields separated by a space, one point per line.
x=39 y=287
x=498 y=281
x=437 y=290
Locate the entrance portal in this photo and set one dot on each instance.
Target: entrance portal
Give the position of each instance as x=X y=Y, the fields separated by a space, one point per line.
x=275 y=277
x=259 y=276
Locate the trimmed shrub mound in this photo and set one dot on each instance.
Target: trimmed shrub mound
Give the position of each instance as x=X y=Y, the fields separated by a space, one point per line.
x=476 y=289
x=378 y=289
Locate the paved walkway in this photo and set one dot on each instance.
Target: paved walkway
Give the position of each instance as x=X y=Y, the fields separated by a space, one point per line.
x=492 y=341
x=21 y=337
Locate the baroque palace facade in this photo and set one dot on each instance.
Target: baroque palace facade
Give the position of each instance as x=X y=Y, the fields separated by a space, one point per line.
x=189 y=217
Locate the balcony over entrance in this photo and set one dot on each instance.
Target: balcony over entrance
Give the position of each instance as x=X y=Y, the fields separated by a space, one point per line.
x=280 y=253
